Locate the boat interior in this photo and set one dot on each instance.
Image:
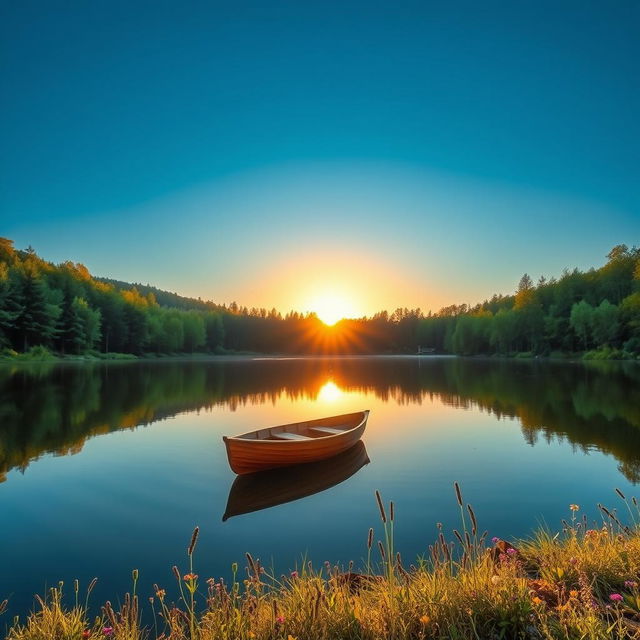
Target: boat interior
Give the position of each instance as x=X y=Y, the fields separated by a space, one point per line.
x=297 y=432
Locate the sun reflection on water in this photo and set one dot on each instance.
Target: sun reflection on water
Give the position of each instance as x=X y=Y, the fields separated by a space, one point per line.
x=330 y=392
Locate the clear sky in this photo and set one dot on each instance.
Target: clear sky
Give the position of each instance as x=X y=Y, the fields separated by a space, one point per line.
x=383 y=153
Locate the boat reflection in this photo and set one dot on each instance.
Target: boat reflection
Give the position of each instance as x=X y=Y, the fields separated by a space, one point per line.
x=265 y=489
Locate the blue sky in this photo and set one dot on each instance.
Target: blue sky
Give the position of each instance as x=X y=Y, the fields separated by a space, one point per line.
x=413 y=154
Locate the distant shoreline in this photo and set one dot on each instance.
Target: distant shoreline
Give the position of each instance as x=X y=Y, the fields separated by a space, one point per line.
x=51 y=358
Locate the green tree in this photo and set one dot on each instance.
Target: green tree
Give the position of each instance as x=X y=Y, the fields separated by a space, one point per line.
x=581 y=321
x=605 y=324
x=214 y=330
x=503 y=331
x=193 y=330
x=10 y=305
x=90 y=325
x=37 y=322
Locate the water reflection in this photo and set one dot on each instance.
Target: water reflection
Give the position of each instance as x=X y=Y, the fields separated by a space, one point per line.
x=56 y=408
x=265 y=489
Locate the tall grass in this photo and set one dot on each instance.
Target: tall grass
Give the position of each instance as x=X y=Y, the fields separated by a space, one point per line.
x=580 y=582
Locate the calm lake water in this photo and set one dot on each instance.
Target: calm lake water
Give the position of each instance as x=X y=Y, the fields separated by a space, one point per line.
x=108 y=467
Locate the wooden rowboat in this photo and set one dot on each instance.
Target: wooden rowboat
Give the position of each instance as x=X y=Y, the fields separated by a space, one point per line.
x=296 y=443
x=265 y=489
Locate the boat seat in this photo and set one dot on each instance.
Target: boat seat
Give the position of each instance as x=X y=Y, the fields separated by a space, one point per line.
x=330 y=430
x=285 y=435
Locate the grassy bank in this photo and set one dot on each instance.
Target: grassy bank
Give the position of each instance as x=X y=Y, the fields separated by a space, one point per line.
x=582 y=582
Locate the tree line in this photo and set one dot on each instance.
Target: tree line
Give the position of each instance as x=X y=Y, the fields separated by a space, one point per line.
x=64 y=308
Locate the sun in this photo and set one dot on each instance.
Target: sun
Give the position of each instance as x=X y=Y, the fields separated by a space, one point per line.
x=331 y=308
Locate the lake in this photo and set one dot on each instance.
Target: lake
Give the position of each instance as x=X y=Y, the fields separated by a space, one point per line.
x=108 y=467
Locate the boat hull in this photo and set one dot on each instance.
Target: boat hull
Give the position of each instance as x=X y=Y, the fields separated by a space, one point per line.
x=249 y=455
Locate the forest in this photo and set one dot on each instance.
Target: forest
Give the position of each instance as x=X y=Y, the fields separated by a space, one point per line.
x=65 y=310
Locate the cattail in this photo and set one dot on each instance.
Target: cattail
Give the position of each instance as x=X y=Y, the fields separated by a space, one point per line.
x=468 y=539
x=176 y=573
x=3 y=606
x=382 y=553
x=608 y=513
x=620 y=494
x=370 y=539
x=194 y=539
x=108 y=611
x=91 y=585
x=383 y=515
x=392 y=510
x=474 y=522
x=456 y=486
x=252 y=564
x=443 y=542
x=134 y=575
x=456 y=533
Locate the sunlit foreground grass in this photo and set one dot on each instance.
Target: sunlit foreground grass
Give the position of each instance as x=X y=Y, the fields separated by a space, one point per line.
x=579 y=583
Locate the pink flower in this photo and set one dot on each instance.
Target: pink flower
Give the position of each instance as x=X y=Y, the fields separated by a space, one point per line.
x=630 y=584
x=511 y=551
x=280 y=620
x=107 y=631
x=294 y=574
x=616 y=597
x=495 y=540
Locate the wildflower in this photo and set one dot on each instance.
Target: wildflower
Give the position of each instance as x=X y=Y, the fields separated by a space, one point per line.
x=161 y=593
x=573 y=593
x=574 y=507
x=86 y=633
x=290 y=637
x=190 y=576
x=251 y=634
x=537 y=600
x=294 y=574
x=280 y=620
x=495 y=540
x=616 y=597
x=630 y=584
x=511 y=551
x=107 y=631
x=425 y=620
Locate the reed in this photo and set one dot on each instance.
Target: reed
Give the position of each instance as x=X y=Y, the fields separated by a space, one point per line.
x=577 y=583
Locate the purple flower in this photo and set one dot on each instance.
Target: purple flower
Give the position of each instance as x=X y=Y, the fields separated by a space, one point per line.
x=495 y=540
x=107 y=631
x=511 y=551
x=616 y=597
x=630 y=584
